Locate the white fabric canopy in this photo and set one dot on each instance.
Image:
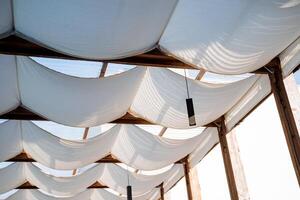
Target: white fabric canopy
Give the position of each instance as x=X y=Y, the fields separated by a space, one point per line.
x=6 y=19
x=59 y=97
x=8 y=84
x=94 y=29
x=161 y=98
x=128 y=143
x=256 y=94
x=91 y=194
x=231 y=37
x=190 y=30
x=111 y=175
x=209 y=139
x=290 y=58
x=155 y=94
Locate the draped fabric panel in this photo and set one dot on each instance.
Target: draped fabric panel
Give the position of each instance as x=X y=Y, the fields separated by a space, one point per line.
x=209 y=139
x=231 y=37
x=111 y=175
x=256 y=94
x=128 y=143
x=91 y=194
x=290 y=58
x=58 y=97
x=143 y=150
x=94 y=29
x=8 y=84
x=12 y=176
x=161 y=98
x=37 y=195
x=116 y=178
x=58 y=153
x=6 y=18
x=189 y=30
x=10 y=140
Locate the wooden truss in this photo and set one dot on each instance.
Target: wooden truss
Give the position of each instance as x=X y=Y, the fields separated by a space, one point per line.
x=14 y=45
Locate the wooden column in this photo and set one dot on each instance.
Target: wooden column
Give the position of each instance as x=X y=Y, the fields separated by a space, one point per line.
x=237 y=166
x=162 y=192
x=194 y=178
x=227 y=160
x=286 y=115
x=187 y=179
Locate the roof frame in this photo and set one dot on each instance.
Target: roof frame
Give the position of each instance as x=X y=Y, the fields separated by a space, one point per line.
x=14 y=45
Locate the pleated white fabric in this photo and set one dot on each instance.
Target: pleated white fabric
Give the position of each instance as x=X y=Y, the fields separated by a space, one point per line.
x=8 y=84
x=161 y=98
x=37 y=195
x=58 y=97
x=231 y=37
x=96 y=29
x=10 y=140
x=58 y=153
x=12 y=176
x=142 y=150
x=259 y=91
x=6 y=19
x=128 y=143
x=209 y=139
x=290 y=58
x=155 y=94
x=190 y=30
x=111 y=175
x=91 y=194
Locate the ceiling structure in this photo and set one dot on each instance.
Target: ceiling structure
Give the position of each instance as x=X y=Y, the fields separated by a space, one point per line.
x=158 y=34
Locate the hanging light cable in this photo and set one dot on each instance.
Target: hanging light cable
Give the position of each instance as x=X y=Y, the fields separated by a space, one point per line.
x=189 y=104
x=129 y=189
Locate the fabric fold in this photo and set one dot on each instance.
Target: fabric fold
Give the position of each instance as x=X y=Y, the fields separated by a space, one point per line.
x=241 y=42
x=116 y=29
x=91 y=194
x=110 y=175
x=128 y=143
x=162 y=94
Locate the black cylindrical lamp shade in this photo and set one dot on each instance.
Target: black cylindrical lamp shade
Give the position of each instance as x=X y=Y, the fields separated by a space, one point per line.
x=190 y=111
x=129 y=193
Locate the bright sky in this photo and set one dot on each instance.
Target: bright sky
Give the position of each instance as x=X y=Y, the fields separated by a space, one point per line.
x=263 y=149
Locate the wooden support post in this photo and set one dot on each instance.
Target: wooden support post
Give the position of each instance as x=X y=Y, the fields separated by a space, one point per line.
x=286 y=115
x=187 y=179
x=227 y=160
x=162 y=192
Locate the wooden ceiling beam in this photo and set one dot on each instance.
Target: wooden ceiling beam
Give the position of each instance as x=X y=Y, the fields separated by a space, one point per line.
x=14 y=45
x=23 y=157
x=28 y=185
x=21 y=113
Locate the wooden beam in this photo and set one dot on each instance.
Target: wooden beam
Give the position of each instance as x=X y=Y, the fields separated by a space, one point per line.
x=227 y=160
x=162 y=131
x=86 y=130
x=237 y=165
x=188 y=179
x=103 y=70
x=14 y=45
x=85 y=133
x=162 y=191
x=200 y=74
x=28 y=185
x=21 y=113
x=286 y=115
x=23 y=157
